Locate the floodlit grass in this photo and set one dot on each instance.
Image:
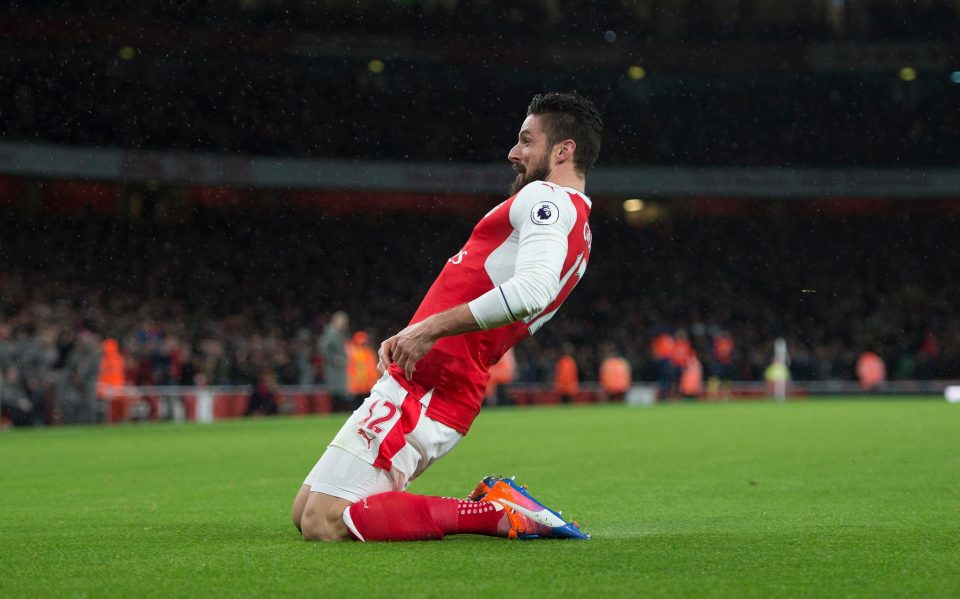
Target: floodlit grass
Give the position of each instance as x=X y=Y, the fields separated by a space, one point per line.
x=816 y=498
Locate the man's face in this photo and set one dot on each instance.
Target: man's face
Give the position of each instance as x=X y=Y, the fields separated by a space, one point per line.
x=531 y=155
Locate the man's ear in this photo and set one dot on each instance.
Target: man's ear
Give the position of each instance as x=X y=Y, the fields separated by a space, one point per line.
x=564 y=150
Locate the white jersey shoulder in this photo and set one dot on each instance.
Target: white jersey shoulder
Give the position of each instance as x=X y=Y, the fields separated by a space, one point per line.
x=526 y=268
x=543 y=204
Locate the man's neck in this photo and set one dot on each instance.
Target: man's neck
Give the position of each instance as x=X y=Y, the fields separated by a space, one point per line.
x=572 y=180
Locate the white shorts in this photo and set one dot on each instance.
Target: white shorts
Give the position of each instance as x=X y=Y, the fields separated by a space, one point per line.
x=386 y=443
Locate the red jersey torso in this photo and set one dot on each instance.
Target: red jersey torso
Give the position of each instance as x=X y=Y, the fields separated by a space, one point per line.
x=452 y=376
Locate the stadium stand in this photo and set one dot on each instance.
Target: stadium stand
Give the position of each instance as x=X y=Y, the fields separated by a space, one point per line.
x=229 y=294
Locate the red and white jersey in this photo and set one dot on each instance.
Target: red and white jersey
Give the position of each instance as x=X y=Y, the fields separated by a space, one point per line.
x=523 y=258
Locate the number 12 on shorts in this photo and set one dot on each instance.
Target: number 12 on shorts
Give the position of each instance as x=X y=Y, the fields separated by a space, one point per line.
x=381 y=411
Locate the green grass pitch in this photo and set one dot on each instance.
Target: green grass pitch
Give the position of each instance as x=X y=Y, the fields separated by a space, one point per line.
x=804 y=499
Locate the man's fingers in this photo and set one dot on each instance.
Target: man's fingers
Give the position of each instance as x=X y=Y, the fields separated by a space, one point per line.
x=403 y=358
x=409 y=365
x=384 y=353
x=392 y=351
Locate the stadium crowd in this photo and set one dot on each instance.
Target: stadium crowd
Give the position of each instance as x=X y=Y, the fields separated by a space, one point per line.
x=226 y=297
x=239 y=296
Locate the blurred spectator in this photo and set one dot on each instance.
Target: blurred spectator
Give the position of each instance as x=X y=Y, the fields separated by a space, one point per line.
x=662 y=348
x=871 y=371
x=614 y=375
x=77 y=383
x=361 y=367
x=38 y=357
x=303 y=357
x=721 y=365
x=112 y=368
x=928 y=355
x=502 y=373
x=777 y=376
x=681 y=358
x=8 y=352
x=111 y=376
x=264 y=398
x=15 y=406
x=777 y=373
x=691 y=378
x=332 y=347
x=566 y=380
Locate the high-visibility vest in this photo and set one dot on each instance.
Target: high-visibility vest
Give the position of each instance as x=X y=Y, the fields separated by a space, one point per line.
x=361 y=369
x=691 y=380
x=870 y=370
x=615 y=375
x=111 y=366
x=662 y=346
x=505 y=369
x=682 y=353
x=565 y=379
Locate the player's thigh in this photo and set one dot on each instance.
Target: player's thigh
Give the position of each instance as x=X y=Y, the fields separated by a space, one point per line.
x=343 y=474
x=429 y=441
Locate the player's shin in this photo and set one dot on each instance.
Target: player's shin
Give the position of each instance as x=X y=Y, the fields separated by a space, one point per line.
x=399 y=516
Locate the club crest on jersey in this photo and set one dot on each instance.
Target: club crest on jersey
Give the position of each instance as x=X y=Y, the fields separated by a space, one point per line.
x=545 y=213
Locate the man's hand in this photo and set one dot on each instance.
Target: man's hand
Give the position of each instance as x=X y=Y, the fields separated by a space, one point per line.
x=406 y=348
x=412 y=343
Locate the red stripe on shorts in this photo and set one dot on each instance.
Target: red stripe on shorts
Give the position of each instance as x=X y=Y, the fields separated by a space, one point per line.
x=396 y=438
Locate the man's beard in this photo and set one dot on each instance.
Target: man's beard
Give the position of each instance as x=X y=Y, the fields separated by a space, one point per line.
x=540 y=173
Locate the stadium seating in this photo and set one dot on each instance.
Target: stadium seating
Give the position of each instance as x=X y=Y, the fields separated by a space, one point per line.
x=702 y=273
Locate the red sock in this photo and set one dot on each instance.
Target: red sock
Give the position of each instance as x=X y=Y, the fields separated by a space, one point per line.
x=399 y=516
x=462 y=516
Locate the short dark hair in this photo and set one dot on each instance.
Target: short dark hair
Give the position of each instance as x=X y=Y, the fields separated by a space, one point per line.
x=568 y=115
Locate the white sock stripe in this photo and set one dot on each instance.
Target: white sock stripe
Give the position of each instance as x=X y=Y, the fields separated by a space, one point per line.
x=350 y=525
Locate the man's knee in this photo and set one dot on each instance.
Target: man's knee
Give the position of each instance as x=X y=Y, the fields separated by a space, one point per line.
x=319 y=531
x=317 y=527
x=324 y=522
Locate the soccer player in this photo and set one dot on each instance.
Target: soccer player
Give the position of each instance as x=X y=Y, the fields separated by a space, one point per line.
x=520 y=263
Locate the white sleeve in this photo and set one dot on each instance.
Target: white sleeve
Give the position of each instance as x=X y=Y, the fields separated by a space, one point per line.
x=543 y=215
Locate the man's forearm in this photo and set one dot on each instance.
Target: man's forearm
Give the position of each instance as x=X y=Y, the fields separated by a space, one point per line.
x=454 y=321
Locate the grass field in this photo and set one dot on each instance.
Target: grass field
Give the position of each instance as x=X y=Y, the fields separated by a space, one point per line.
x=816 y=498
